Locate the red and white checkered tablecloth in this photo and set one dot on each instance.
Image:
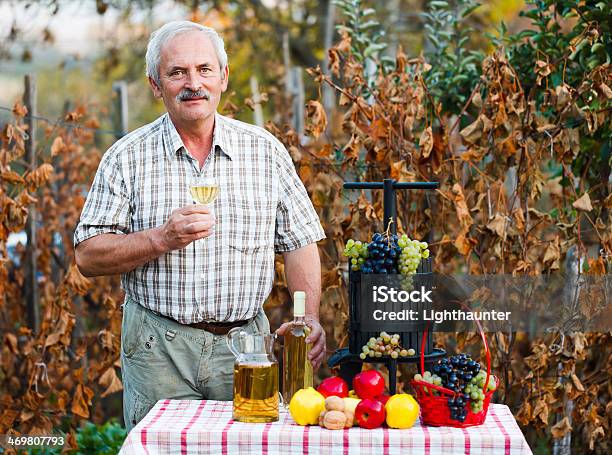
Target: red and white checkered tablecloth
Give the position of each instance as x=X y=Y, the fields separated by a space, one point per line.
x=206 y=427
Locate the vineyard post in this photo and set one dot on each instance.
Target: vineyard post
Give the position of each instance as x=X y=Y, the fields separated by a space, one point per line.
x=329 y=98
x=294 y=88
x=30 y=283
x=257 y=111
x=121 y=108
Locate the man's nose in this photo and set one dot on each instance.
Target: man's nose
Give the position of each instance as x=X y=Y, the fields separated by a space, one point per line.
x=194 y=81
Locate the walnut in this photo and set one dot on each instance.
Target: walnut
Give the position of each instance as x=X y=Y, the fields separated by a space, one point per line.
x=321 y=417
x=334 y=403
x=334 y=420
x=350 y=416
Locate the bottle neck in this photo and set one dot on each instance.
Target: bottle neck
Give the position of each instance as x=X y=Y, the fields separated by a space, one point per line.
x=299 y=320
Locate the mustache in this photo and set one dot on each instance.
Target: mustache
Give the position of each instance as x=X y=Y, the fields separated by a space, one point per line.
x=187 y=94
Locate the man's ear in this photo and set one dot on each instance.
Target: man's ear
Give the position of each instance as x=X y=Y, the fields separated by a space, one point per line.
x=155 y=88
x=225 y=80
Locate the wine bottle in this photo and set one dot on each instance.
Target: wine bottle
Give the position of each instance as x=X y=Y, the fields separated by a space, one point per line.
x=297 y=369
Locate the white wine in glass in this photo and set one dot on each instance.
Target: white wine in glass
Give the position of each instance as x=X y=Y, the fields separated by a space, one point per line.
x=204 y=190
x=204 y=194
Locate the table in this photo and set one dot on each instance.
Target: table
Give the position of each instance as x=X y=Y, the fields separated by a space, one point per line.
x=206 y=427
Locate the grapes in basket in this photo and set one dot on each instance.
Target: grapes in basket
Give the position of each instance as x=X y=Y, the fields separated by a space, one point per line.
x=464 y=376
x=385 y=345
x=387 y=253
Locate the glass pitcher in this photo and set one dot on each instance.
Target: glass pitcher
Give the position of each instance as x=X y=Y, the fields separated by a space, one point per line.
x=256 y=397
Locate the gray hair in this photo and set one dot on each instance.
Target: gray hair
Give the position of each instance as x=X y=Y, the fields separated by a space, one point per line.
x=168 y=31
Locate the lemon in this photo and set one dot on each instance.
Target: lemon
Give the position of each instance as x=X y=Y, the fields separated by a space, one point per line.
x=306 y=405
x=402 y=411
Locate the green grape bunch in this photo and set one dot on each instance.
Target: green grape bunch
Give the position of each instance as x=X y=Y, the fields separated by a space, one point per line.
x=385 y=345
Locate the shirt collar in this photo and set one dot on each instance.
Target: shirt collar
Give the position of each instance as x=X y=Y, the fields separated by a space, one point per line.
x=220 y=137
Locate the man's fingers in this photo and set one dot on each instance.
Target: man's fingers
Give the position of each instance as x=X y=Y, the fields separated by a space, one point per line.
x=200 y=226
x=283 y=328
x=316 y=331
x=193 y=208
x=316 y=362
x=196 y=218
x=203 y=234
x=317 y=348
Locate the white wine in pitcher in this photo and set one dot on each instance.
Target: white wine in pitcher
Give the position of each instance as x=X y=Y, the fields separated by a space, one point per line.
x=256 y=392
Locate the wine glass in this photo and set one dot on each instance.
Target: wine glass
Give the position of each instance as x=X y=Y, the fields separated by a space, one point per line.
x=204 y=190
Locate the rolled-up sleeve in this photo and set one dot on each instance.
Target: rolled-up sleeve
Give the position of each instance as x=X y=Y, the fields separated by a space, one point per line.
x=107 y=208
x=297 y=222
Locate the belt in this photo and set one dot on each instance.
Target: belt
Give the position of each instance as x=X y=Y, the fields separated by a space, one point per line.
x=218 y=328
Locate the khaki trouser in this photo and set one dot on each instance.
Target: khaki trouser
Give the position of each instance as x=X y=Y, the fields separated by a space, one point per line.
x=162 y=359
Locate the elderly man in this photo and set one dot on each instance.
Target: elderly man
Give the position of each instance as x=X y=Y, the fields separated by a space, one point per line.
x=191 y=276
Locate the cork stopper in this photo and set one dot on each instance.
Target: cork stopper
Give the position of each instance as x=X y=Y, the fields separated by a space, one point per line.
x=299 y=303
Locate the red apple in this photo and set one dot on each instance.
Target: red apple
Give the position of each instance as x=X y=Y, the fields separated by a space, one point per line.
x=370 y=413
x=334 y=386
x=383 y=398
x=369 y=384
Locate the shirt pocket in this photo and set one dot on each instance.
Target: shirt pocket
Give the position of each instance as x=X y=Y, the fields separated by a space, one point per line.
x=251 y=224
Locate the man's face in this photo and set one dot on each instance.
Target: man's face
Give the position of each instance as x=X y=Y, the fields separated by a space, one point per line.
x=190 y=76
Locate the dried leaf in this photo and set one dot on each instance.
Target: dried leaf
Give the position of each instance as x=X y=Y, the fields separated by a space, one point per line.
x=542 y=69
x=605 y=90
x=472 y=133
x=463 y=213
x=464 y=244
x=379 y=129
x=519 y=219
x=561 y=428
x=426 y=142
x=498 y=224
x=583 y=203
x=553 y=254
x=110 y=382
x=11 y=341
x=76 y=281
x=577 y=383
x=58 y=146
x=541 y=411
x=318 y=118
x=400 y=172
x=52 y=338
x=12 y=177
x=82 y=401
x=331 y=279
x=553 y=187
x=40 y=175
x=7 y=418
x=19 y=110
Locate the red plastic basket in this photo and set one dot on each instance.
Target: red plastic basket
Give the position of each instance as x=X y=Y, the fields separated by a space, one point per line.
x=434 y=408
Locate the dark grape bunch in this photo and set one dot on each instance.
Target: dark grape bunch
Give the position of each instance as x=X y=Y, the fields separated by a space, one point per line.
x=383 y=345
x=463 y=376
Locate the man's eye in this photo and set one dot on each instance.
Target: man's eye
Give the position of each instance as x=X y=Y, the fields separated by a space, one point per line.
x=176 y=73
x=205 y=70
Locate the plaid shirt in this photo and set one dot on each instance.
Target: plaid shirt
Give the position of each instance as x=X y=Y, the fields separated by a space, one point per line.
x=262 y=207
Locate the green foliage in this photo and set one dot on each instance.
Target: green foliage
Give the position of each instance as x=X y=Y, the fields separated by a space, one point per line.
x=455 y=69
x=586 y=45
x=366 y=35
x=570 y=54
x=103 y=439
